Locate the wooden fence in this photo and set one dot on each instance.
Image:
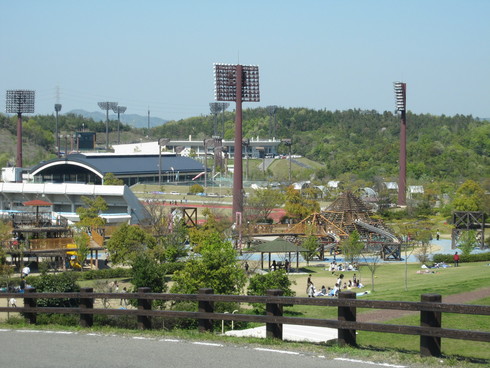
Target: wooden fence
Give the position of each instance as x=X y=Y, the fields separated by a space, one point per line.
x=430 y=308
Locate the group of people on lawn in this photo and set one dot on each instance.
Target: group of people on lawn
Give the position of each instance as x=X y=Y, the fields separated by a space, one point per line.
x=340 y=284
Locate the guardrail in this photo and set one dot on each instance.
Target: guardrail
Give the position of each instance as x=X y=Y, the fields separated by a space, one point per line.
x=430 y=308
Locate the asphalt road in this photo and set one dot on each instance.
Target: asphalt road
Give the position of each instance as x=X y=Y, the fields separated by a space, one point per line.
x=39 y=349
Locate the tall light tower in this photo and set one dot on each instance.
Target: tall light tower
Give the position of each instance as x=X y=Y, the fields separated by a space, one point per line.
x=57 y=109
x=119 y=110
x=215 y=108
x=272 y=126
x=401 y=107
x=209 y=142
x=288 y=142
x=18 y=102
x=162 y=142
x=239 y=83
x=107 y=106
x=224 y=106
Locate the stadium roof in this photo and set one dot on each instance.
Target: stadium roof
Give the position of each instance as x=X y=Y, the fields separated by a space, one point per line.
x=124 y=164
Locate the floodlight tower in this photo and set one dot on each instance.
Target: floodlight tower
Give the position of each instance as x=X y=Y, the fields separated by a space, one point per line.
x=401 y=107
x=162 y=142
x=18 y=102
x=209 y=142
x=223 y=106
x=107 y=106
x=215 y=108
x=119 y=110
x=57 y=109
x=272 y=125
x=237 y=83
x=288 y=142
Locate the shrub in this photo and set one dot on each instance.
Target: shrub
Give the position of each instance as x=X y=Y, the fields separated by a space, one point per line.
x=448 y=258
x=109 y=273
x=61 y=283
x=259 y=284
x=196 y=188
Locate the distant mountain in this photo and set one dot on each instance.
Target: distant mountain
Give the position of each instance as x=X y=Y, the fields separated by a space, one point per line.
x=137 y=121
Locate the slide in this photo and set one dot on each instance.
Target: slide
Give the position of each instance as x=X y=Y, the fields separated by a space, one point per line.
x=73 y=254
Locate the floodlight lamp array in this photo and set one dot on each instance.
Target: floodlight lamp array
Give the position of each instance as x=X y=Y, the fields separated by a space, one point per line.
x=400 y=96
x=271 y=109
x=163 y=141
x=225 y=76
x=215 y=107
x=57 y=107
x=107 y=105
x=119 y=109
x=20 y=101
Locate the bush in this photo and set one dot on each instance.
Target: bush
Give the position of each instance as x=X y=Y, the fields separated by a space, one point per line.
x=448 y=258
x=196 y=188
x=109 y=273
x=259 y=284
x=61 y=283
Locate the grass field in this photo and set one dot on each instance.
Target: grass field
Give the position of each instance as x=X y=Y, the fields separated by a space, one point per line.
x=390 y=285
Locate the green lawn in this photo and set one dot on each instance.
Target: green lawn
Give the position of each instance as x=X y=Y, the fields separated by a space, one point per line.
x=390 y=285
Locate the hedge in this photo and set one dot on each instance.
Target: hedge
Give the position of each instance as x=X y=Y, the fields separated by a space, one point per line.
x=448 y=258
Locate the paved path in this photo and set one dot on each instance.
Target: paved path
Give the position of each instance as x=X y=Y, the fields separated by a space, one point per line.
x=53 y=349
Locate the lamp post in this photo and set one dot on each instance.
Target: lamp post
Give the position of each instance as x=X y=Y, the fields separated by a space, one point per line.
x=18 y=102
x=57 y=109
x=107 y=106
x=239 y=83
x=401 y=107
x=207 y=143
x=288 y=142
x=215 y=108
x=272 y=126
x=161 y=142
x=223 y=106
x=119 y=110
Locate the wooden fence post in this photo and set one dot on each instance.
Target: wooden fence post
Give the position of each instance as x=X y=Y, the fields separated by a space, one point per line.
x=144 y=322
x=347 y=336
x=86 y=302
x=430 y=345
x=205 y=325
x=273 y=330
x=30 y=318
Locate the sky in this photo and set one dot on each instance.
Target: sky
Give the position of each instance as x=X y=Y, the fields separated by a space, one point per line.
x=319 y=54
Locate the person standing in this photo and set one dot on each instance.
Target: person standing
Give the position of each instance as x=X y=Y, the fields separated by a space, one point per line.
x=438 y=234
x=456 y=259
x=308 y=283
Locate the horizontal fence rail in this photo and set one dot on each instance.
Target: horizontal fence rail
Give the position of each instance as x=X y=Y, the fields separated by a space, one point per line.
x=430 y=308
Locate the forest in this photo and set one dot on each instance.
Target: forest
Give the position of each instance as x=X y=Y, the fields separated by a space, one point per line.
x=359 y=143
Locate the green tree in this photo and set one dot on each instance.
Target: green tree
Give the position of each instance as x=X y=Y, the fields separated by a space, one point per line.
x=147 y=272
x=469 y=197
x=261 y=203
x=215 y=267
x=311 y=243
x=90 y=214
x=111 y=179
x=352 y=247
x=467 y=242
x=127 y=242
x=82 y=240
x=299 y=207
